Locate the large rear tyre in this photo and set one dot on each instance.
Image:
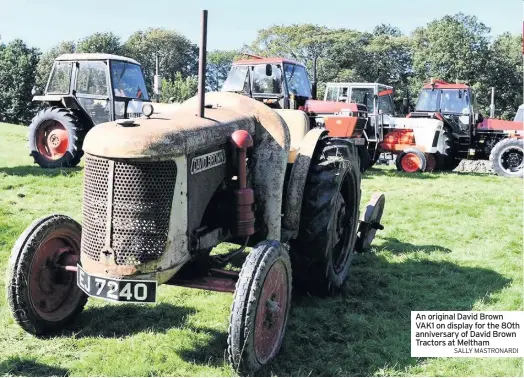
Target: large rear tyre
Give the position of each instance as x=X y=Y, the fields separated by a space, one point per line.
x=507 y=157
x=260 y=307
x=55 y=138
x=323 y=251
x=42 y=297
x=447 y=161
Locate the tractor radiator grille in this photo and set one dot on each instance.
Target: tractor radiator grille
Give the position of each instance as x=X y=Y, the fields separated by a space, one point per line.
x=136 y=226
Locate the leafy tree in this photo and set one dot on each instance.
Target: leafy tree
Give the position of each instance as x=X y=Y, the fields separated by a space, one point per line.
x=17 y=67
x=504 y=72
x=107 y=43
x=218 y=66
x=179 y=89
x=175 y=52
x=452 y=48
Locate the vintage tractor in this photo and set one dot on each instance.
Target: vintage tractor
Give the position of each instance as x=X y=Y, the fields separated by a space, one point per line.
x=284 y=84
x=83 y=90
x=378 y=99
x=447 y=126
x=160 y=192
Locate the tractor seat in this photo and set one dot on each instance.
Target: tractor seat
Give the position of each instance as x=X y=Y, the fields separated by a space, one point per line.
x=298 y=124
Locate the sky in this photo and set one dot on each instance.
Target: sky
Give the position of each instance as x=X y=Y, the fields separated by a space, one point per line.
x=232 y=23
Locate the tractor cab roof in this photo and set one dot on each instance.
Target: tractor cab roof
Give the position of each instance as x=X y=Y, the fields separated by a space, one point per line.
x=441 y=84
x=90 y=56
x=260 y=60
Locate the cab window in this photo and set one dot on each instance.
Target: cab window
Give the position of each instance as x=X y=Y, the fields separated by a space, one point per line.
x=297 y=80
x=91 y=78
x=385 y=101
x=363 y=96
x=264 y=84
x=60 y=78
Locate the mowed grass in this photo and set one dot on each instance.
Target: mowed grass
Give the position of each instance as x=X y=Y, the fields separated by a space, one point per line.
x=451 y=242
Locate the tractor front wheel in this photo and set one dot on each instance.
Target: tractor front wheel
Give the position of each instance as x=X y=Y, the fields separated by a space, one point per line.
x=411 y=160
x=260 y=307
x=55 y=138
x=42 y=295
x=324 y=248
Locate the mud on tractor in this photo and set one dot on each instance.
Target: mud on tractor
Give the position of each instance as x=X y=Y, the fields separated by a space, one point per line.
x=83 y=90
x=284 y=84
x=161 y=191
x=447 y=126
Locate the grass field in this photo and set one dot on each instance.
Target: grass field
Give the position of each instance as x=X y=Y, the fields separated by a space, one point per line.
x=451 y=242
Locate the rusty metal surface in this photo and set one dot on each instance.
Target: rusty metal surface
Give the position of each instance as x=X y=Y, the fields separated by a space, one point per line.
x=271 y=312
x=166 y=135
x=297 y=182
x=217 y=280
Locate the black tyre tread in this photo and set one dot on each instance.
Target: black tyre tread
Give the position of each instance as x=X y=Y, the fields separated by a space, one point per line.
x=497 y=150
x=309 y=253
x=76 y=132
x=240 y=348
x=447 y=160
x=16 y=280
x=364 y=158
x=420 y=154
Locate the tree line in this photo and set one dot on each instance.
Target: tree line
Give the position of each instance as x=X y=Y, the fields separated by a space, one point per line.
x=454 y=48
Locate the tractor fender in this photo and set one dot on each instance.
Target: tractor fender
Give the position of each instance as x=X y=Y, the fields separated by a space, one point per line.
x=297 y=183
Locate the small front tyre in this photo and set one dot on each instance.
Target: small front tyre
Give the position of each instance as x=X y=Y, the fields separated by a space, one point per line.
x=42 y=296
x=260 y=307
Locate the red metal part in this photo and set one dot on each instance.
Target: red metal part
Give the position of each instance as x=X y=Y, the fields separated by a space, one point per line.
x=410 y=162
x=328 y=107
x=398 y=140
x=271 y=312
x=341 y=126
x=385 y=92
x=52 y=140
x=441 y=84
x=499 y=124
x=244 y=197
x=261 y=60
x=50 y=287
x=218 y=280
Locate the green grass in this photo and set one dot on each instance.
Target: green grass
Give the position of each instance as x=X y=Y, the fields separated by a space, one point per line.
x=451 y=242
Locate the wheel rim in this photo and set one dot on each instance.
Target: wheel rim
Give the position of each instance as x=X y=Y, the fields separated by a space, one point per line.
x=343 y=225
x=53 y=292
x=271 y=312
x=410 y=162
x=511 y=159
x=52 y=140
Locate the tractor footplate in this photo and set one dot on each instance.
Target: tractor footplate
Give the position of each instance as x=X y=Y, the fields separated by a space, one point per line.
x=370 y=222
x=216 y=280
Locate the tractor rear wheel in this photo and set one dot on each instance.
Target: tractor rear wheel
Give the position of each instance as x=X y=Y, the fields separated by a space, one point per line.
x=55 y=138
x=324 y=248
x=260 y=307
x=44 y=297
x=507 y=157
x=446 y=161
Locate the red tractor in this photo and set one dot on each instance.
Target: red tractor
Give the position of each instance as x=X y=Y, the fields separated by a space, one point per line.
x=284 y=84
x=446 y=127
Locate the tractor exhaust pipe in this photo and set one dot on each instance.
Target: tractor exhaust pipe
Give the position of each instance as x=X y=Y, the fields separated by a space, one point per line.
x=492 y=105
x=202 y=65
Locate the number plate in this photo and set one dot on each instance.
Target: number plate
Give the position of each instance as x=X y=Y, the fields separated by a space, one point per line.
x=133 y=291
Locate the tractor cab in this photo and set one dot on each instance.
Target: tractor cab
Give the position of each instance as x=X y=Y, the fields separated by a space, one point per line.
x=455 y=104
x=105 y=87
x=378 y=98
x=83 y=90
x=277 y=82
